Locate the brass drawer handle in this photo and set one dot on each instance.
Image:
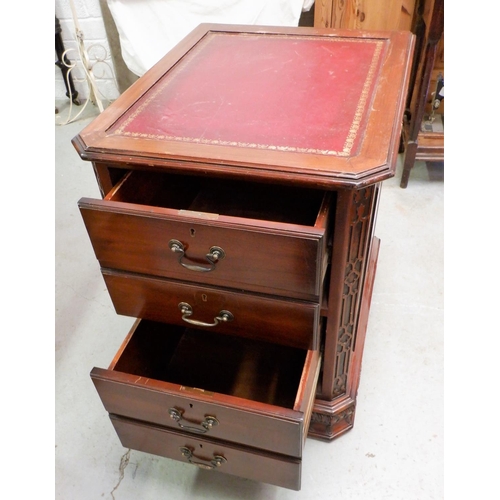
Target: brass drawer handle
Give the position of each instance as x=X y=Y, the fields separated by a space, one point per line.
x=215 y=462
x=206 y=425
x=187 y=311
x=213 y=256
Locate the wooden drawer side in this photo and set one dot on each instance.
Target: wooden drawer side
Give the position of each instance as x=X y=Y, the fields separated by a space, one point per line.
x=307 y=389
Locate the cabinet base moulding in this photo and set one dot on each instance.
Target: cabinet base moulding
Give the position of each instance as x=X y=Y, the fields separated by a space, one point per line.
x=329 y=421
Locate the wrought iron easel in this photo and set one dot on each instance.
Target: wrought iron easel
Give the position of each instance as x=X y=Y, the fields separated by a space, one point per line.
x=65 y=64
x=87 y=64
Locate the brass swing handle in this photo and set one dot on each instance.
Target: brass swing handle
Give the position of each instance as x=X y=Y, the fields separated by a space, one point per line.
x=215 y=462
x=213 y=256
x=206 y=425
x=187 y=311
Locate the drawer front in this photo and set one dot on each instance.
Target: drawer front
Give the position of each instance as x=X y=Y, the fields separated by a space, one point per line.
x=287 y=322
x=274 y=418
x=259 y=256
x=209 y=455
x=243 y=425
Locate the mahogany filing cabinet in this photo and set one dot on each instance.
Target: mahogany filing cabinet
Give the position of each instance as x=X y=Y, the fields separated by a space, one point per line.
x=240 y=180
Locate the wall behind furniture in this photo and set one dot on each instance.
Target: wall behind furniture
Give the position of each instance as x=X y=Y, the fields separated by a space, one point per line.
x=98 y=27
x=91 y=24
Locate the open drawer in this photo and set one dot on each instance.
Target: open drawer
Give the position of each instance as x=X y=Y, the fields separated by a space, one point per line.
x=256 y=237
x=250 y=393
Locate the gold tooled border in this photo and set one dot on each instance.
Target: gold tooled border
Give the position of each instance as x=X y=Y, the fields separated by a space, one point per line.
x=353 y=129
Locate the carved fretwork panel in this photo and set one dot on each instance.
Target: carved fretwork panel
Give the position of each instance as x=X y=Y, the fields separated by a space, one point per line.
x=359 y=233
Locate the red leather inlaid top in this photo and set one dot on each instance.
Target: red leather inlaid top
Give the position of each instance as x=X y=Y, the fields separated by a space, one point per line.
x=281 y=92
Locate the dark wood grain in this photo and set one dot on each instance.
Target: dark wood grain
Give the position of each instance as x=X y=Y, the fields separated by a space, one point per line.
x=243 y=462
x=274 y=319
x=285 y=256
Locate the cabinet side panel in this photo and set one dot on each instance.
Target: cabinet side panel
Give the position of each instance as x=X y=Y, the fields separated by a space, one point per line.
x=349 y=260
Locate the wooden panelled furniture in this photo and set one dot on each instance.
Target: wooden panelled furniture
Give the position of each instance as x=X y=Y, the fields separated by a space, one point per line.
x=240 y=180
x=421 y=142
x=364 y=14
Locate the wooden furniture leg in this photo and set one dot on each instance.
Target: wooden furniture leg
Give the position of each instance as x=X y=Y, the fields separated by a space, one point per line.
x=435 y=31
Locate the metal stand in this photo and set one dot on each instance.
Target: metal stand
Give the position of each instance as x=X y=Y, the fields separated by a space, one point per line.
x=64 y=64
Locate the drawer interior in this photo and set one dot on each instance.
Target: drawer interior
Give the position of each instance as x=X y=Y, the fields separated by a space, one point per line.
x=237 y=367
x=250 y=200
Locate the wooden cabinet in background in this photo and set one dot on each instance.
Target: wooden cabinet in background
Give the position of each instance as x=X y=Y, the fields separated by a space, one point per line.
x=423 y=132
x=364 y=14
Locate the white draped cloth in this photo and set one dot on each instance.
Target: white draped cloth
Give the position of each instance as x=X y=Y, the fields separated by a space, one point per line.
x=148 y=29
